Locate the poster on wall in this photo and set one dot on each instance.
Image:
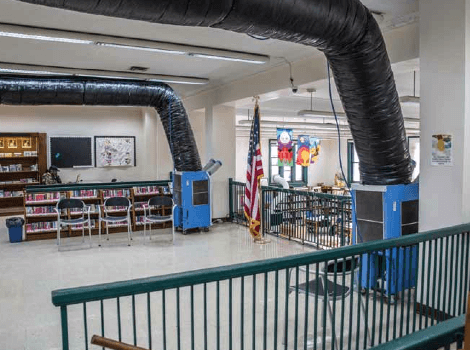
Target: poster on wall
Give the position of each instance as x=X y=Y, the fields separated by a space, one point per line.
x=441 y=150
x=303 y=151
x=314 y=149
x=285 y=151
x=115 y=151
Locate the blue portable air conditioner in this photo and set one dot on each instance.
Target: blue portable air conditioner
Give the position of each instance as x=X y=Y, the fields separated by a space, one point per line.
x=385 y=212
x=191 y=193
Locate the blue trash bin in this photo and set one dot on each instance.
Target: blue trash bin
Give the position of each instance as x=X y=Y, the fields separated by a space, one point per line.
x=15 y=229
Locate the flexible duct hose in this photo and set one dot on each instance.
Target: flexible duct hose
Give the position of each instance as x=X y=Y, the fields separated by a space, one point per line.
x=103 y=92
x=343 y=29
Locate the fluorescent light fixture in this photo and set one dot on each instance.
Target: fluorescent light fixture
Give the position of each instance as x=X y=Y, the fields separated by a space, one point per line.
x=141 y=48
x=22 y=71
x=169 y=81
x=224 y=58
x=10 y=68
x=45 y=38
x=310 y=113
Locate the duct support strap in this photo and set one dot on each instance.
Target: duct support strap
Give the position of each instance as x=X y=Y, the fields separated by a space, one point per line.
x=104 y=92
x=343 y=29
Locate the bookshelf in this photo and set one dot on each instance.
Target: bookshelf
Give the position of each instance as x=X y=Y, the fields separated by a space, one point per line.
x=23 y=159
x=40 y=201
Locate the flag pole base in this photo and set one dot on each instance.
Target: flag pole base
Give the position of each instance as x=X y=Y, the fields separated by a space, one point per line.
x=261 y=240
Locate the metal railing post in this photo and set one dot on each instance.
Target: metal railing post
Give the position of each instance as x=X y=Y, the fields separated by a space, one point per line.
x=230 y=198
x=65 y=327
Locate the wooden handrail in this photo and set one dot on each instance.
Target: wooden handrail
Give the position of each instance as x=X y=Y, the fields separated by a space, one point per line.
x=113 y=344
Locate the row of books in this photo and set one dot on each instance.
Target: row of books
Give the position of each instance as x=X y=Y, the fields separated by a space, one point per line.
x=46 y=210
x=11 y=168
x=28 y=180
x=41 y=197
x=84 y=194
x=139 y=220
x=19 y=154
x=79 y=227
x=116 y=193
x=147 y=190
x=8 y=194
x=41 y=226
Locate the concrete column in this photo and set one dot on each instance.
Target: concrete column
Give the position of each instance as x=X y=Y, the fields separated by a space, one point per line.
x=221 y=145
x=149 y=125
x=445 y=109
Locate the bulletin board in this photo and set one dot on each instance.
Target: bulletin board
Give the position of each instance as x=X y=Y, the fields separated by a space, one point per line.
x=115 y=151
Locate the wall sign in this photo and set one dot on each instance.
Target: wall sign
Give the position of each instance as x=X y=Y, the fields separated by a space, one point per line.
x=115 y=151
x=441 y=150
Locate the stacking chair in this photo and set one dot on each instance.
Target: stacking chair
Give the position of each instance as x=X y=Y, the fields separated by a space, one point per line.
x=153 y=213
x=324 y=288
x=104 y=216
x=84 y=210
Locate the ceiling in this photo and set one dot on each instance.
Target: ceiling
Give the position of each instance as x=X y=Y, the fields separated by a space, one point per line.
x=67 y=55
x=282 y=106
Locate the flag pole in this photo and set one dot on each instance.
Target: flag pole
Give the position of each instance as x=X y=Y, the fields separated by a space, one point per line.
x=262 y=239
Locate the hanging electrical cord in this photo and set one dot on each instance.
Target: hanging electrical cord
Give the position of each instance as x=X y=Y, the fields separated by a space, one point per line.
x=339 y=148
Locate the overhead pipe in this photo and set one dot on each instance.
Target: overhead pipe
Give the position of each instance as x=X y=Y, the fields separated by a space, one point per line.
x=346 y=32
x=105 y=92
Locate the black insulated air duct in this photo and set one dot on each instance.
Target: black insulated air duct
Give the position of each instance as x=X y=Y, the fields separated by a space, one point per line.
x=104 y=92
x=343 y=29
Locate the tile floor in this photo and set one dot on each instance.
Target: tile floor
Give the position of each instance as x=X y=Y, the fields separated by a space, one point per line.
x=29 y=271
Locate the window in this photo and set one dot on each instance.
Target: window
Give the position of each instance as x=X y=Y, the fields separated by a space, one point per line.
x=353 y=164
x=293 y=174
x=414 y=147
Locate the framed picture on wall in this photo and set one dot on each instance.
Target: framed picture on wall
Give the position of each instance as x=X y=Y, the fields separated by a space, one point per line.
x=2 y=142
x=26 y=142
x=115 y=151
x=12 y=143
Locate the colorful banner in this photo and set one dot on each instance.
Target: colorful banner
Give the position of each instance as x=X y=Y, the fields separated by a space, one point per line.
x=285 y=151
x=314 y=149
x=303 y=151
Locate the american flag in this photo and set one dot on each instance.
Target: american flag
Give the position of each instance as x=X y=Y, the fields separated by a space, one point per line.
x=253 y=175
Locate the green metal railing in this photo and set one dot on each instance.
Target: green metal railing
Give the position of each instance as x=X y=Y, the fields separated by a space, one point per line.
x=319 y=300
x=439 y=336
x=323 y=220
x=237 y=202
x=92 y=186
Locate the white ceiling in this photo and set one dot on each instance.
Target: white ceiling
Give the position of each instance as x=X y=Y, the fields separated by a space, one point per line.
x=25 y=51
x=282 y=106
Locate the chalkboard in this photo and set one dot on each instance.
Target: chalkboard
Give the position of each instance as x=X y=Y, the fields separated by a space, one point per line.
x=68 y=152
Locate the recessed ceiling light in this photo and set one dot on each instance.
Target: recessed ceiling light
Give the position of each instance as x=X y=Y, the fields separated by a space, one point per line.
x=23 y=71
x=141 y=48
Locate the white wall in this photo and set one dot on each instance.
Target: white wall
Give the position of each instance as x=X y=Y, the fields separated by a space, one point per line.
x=94 y=121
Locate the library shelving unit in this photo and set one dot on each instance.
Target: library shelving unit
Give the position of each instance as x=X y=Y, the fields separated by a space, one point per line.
x=23 y=159
x=140 y=197
x=41 y=219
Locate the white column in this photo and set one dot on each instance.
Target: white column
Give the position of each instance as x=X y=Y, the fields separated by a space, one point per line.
x=221 y=145
x=445 y=63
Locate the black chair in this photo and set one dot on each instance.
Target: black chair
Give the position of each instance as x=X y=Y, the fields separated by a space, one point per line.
x=156 y=206
x=104 y=216
x=73 y=204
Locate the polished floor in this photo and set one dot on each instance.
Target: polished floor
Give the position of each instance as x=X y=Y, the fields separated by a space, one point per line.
x=29 y=271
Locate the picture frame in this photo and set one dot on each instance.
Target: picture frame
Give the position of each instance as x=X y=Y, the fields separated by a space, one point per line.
x=115 y=151
x=12 y=143
x=26 y=142
x=2 y=142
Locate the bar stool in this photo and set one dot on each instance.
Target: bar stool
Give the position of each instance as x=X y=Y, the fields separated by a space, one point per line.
x=104 y=216
x=323 y=288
